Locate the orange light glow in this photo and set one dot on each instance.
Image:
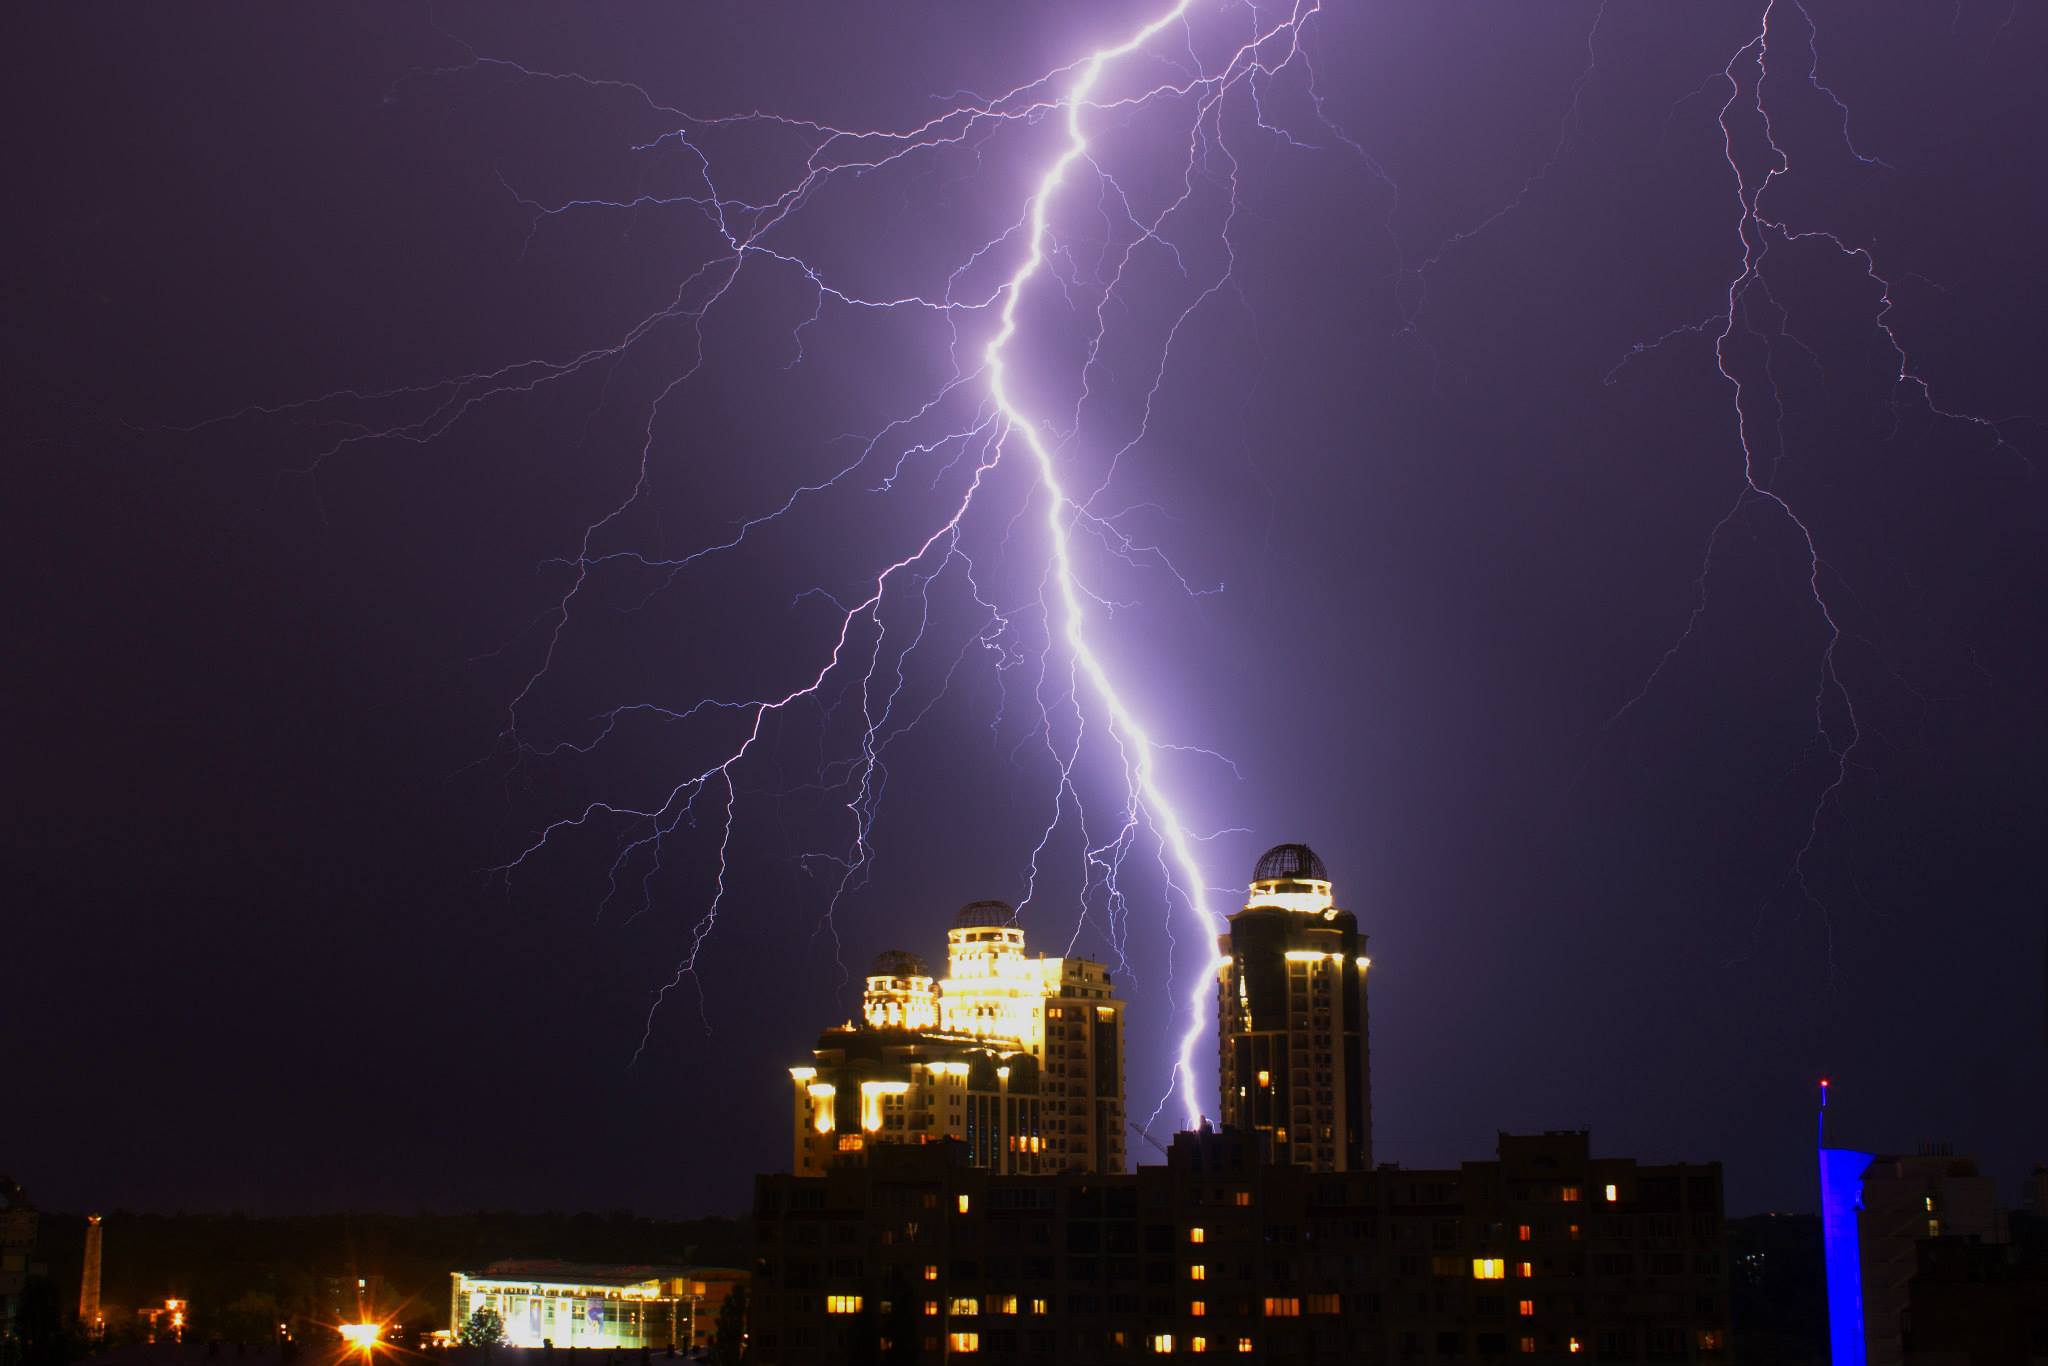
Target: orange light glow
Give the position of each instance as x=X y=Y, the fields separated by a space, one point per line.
x=362 y=1335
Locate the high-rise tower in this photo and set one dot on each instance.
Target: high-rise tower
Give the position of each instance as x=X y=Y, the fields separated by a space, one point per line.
x=89 y=1320
x=1291 y=1017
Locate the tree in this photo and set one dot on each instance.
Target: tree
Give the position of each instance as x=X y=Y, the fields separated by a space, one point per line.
x=485 y=1329
x=253 y=1317
x=39 y=1325
x=729 y=1339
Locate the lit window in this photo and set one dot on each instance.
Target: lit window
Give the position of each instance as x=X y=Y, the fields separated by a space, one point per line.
x=1573 y=1230
x=1323 y=1304
x=842 y=1304
x=1244 y=1344
x=1002 y=1304
x=1525 y=1269
x=963 y=1204
x=1198 y=1272
x=1283 y=1307
x=931 y=1308
x=1243 y=1198
x=1572 y=1345
x=1710 y=1340
x=1523 y=1233
x=1197 y=1308
x=1265 y=1078
x=1569 y=1194
x=931 y=1273
x=964 y=1342
x=1528 y=1346
x=1527 y=1309
x=1162 y=1342
x=1934 y=1228
x=1041 y=1306
x=1929 y=1202
x=1196 y=1235
x=1613 y=1193
x=1198 y=1344
x=1488 y=1269
x=965 y=1306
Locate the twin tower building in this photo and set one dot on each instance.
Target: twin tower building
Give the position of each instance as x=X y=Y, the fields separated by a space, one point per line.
x=1022 y=1058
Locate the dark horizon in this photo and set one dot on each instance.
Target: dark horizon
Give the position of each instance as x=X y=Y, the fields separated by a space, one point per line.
x=1413 y=540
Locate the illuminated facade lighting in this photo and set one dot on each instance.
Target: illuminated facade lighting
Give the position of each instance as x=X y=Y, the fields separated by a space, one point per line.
x=1291 y=1015
x=1019 y=1057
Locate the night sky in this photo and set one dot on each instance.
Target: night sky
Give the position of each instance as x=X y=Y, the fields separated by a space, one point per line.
x=275 y=681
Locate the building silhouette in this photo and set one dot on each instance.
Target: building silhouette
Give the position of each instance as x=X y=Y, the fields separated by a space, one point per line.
x=17 y=1253
x=1292 y=1049
x=1545 y=1254
x=1021 y=1059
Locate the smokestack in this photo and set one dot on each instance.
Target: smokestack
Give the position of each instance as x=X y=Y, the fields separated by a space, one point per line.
x=89 y=1284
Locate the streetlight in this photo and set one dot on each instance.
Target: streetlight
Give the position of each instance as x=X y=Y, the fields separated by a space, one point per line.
x=362 y=1336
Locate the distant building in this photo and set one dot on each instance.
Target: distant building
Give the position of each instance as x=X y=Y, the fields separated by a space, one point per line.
x=165 y=1323
x=1293 y=1057
x=339 y=1299
x=1545 y=1254
x=17 y=1248
x=1018 y=1058
x=570 y=1305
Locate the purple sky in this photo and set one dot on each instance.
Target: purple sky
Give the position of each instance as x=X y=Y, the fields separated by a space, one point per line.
x=262 y=667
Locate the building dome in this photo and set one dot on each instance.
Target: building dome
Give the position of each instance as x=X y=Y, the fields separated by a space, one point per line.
x=977 y=914
x=898 y=963
x=1290 y=861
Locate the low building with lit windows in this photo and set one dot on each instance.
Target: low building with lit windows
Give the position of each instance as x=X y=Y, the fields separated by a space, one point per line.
x=1019 y=1059
x=563 y=1304
x=1545 y=1254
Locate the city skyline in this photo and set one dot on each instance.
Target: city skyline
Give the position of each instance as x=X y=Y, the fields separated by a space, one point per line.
x=513 y=623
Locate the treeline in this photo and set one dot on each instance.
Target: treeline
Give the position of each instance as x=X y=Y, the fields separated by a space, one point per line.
x=231 y=1266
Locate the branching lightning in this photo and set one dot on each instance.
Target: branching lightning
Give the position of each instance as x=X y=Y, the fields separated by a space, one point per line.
x=973 y=447
x=986 y=471
x=1747 y=75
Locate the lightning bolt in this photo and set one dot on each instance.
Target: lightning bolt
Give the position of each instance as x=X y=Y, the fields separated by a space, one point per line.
x=977 y=453
x=1748 y=75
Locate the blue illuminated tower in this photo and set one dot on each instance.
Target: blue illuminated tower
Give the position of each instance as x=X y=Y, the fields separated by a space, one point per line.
x=1841 y=1197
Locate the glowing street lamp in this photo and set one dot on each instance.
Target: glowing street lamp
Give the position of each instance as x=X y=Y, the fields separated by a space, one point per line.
x=362 y=1335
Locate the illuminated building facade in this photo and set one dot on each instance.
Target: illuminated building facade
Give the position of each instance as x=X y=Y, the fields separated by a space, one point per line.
x=568 y=1305
x=1544 y=1254
x=1293 y=1059
x=1019 y=1058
